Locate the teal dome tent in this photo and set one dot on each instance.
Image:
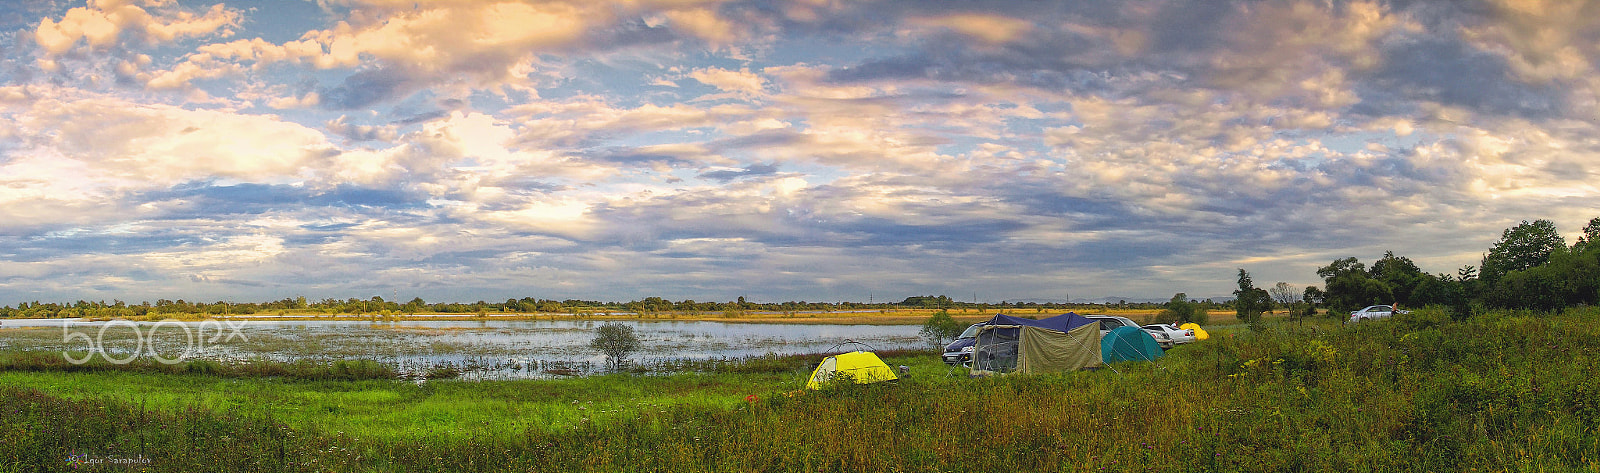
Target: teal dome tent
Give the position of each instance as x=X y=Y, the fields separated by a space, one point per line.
x=1128 y=344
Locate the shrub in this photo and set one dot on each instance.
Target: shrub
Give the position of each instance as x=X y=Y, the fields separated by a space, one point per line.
x=361 y=369
x=443 y=372
x=616 y=341
x=203 y=367
x=940 y=328
x=1427 y=317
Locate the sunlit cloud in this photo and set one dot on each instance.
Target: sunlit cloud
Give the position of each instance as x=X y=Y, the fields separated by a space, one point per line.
x=813 y=150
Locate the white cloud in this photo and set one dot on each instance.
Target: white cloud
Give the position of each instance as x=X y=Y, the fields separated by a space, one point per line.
x=158 y=144
x=104 y=23
x=993 y=29
x=562 y=217
x=485 y=41
x=704 y=24
x=741 y=81
x=547 y=145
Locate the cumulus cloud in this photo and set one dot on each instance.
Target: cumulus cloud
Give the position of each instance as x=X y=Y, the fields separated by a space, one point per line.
x=703 y=23
x=683 y=148
x=992 y=29
x=741 y=82
x=400 y=48
x=162 y=144
x=103 y=24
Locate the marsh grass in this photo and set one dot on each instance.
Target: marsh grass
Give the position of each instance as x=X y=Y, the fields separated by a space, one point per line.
x=1503 y=392
x=346 y=370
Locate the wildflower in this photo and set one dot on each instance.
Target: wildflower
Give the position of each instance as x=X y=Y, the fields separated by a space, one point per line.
x=751 y=399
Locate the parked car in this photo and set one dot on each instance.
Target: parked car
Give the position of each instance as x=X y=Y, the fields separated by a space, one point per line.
x=1373 y=312
x=1109 y=322
x=959 y=352
x=1169 y=336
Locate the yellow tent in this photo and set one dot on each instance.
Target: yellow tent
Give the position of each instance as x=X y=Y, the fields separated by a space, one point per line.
x=863 y=367
x=1199 y=333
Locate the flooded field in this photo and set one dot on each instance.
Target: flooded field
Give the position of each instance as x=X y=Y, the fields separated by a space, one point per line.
x=479 y=349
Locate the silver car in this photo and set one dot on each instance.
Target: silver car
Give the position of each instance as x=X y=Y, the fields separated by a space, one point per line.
x=1109 y=322
x=1169 y=336
x=1373 y=312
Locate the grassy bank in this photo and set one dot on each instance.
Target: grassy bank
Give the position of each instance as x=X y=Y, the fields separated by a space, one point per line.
x=1504 y=392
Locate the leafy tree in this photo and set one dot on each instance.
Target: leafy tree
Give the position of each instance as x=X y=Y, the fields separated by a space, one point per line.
x=932 y=302
x=1180 y=310
x=416 y=305
x=1567 y=279
x=1522 y=247
x=1400 y=274
x=616 y=341
x=940 y=328
x=1348 y=286
x=1313 y=295
x=1445 y=291
x=1591 y=234
x=1250 y=301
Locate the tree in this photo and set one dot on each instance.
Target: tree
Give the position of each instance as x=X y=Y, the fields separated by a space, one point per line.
x=1348 y=286
x=933 y=302
x=1180 y=310
x=1401 y=276
x=939 y=328
x=616 y=341
x=1313 y=295
x=1568 y=279
x=1524 y=246
x=1250 y=301
x=1442 y=289
x=1284 y=293
x=1591 y=234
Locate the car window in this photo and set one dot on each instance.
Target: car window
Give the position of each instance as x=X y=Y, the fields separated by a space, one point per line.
x=971 y=331
x=1109 y=324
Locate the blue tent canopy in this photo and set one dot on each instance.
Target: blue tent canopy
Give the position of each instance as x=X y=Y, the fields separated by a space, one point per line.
x=1062 y=343
x=1060 y=323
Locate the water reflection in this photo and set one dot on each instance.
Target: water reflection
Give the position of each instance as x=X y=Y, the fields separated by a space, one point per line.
x=480 y=349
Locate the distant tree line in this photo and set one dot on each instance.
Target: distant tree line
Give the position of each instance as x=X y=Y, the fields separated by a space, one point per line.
x=1529 y=268
x=379 y=306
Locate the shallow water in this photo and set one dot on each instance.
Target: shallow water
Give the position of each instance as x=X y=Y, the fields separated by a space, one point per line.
x=481 y=349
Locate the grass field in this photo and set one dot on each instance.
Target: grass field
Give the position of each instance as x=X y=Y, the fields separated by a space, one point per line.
x=1502 y=392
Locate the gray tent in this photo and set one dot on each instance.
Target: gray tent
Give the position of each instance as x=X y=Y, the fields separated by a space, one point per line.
x=1062 y=343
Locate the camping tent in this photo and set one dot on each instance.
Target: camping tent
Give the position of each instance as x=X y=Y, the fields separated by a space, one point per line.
x=1012 y=344
x=1199 y=333
x=861 y=366
x=1128 y=344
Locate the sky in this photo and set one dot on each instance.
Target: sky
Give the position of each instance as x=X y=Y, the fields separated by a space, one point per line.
x=817 y=150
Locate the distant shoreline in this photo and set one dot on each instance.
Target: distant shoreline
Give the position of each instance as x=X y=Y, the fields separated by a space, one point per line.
x=848 y=317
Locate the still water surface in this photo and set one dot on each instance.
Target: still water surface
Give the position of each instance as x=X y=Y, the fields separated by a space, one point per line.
x=483 y=349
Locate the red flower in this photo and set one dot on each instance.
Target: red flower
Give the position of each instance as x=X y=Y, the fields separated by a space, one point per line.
x=751 y=399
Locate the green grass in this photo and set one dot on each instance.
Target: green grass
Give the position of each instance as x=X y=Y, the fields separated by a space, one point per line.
x=388 y=410
x=342 y=370
x=1504 y=392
